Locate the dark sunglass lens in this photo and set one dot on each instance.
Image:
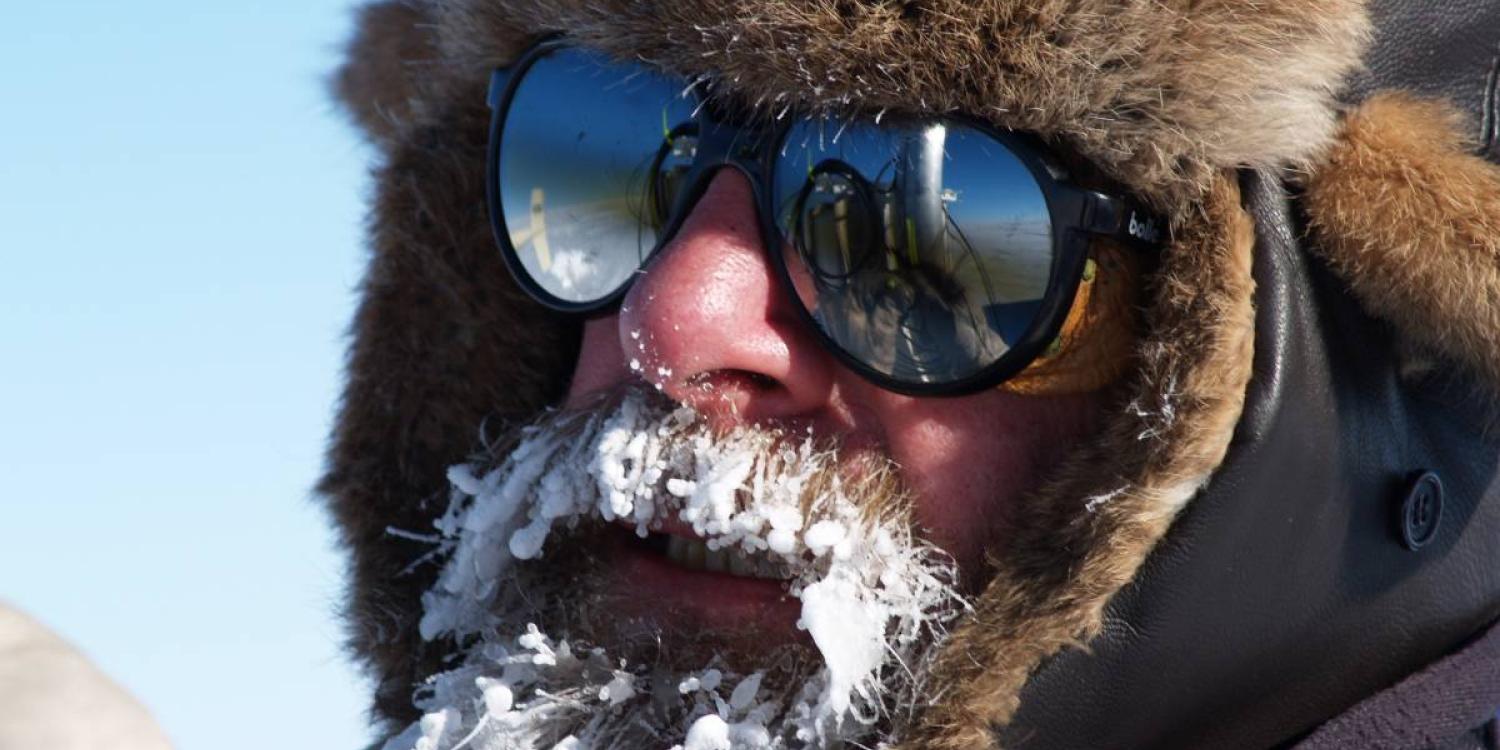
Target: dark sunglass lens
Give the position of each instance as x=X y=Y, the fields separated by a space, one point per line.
x=923 y=249
x=576 y=152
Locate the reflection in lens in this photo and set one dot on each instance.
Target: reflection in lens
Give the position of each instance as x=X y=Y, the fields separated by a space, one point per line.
x=576 y=152
x=926 y=246
x=670 y=171
x=834 y=218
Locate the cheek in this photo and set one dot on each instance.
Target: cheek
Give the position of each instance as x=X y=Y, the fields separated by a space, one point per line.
x=971 y=461
x=601 y=361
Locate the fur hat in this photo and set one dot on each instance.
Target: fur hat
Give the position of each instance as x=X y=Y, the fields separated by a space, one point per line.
x=1167 y=98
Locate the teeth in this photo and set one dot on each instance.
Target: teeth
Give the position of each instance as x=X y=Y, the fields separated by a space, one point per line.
x=695 y=555
x=741 y=565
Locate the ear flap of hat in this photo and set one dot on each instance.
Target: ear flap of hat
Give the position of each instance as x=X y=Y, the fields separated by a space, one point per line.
x=382 y=76
x=1406 y=213
x=1087 y=531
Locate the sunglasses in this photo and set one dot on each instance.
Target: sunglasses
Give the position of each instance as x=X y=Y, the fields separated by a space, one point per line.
x=933 y=255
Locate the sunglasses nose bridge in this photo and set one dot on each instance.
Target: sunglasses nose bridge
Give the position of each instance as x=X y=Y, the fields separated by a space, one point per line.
x=720 y=147
x=697 y=182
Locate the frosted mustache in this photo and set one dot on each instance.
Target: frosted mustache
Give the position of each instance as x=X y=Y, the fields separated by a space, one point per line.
x=871 y=594
x=762 y=491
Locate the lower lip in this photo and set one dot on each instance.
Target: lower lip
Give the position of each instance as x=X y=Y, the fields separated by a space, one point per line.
x=652 y=587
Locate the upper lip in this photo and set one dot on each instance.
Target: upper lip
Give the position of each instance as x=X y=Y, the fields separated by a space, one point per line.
x=669 y=525
x=682 y=548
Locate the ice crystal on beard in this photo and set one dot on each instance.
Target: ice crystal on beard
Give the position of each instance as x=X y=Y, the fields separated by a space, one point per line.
x=871 y=594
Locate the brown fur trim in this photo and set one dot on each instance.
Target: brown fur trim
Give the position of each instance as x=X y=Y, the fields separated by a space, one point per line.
x=1159 y=94
x=444 y=341
x=383 y=83
x=1087 y=532
x=1410 y=219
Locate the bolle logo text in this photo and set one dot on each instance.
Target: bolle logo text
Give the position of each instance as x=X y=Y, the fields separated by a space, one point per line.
x=1144 y=229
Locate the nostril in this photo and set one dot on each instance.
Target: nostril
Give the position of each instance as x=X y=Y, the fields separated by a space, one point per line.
x=728 y=394
x=731 y=381
x=758 y=381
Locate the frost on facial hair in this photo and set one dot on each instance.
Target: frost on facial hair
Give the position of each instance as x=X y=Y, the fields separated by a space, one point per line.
x=874 y=599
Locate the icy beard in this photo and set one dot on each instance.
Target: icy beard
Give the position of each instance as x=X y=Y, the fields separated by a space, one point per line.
x=545 y=659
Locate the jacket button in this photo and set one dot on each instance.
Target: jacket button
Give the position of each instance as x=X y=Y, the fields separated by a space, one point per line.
x=1421 y=511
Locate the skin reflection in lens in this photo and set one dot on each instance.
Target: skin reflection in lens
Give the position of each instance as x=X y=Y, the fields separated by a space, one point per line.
x=924 y=249
x=575 y=154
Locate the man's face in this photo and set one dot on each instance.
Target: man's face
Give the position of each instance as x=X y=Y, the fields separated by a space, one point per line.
x=779 y=563
x=708 y=322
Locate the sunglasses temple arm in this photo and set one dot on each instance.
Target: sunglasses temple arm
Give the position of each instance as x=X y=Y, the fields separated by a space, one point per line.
x=1122 y=219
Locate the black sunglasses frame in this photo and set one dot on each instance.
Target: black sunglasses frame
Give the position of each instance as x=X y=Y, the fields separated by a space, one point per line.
x=1076 y=214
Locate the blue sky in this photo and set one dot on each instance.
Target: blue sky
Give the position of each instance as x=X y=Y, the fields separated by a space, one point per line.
x=180 y=228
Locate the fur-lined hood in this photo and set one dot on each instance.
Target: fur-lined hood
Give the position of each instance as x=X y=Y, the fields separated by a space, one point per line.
x=1159 y=95
x=1172 y=99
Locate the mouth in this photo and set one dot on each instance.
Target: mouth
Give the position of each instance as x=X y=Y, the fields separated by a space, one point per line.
x=692 y=553
x=679 y=581
x=676 y=548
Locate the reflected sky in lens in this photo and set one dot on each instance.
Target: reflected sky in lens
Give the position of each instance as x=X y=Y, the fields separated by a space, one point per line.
x=964 y=244
x=577 y=144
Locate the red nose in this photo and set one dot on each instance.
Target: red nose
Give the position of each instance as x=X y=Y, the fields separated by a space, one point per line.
x=712 y=324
